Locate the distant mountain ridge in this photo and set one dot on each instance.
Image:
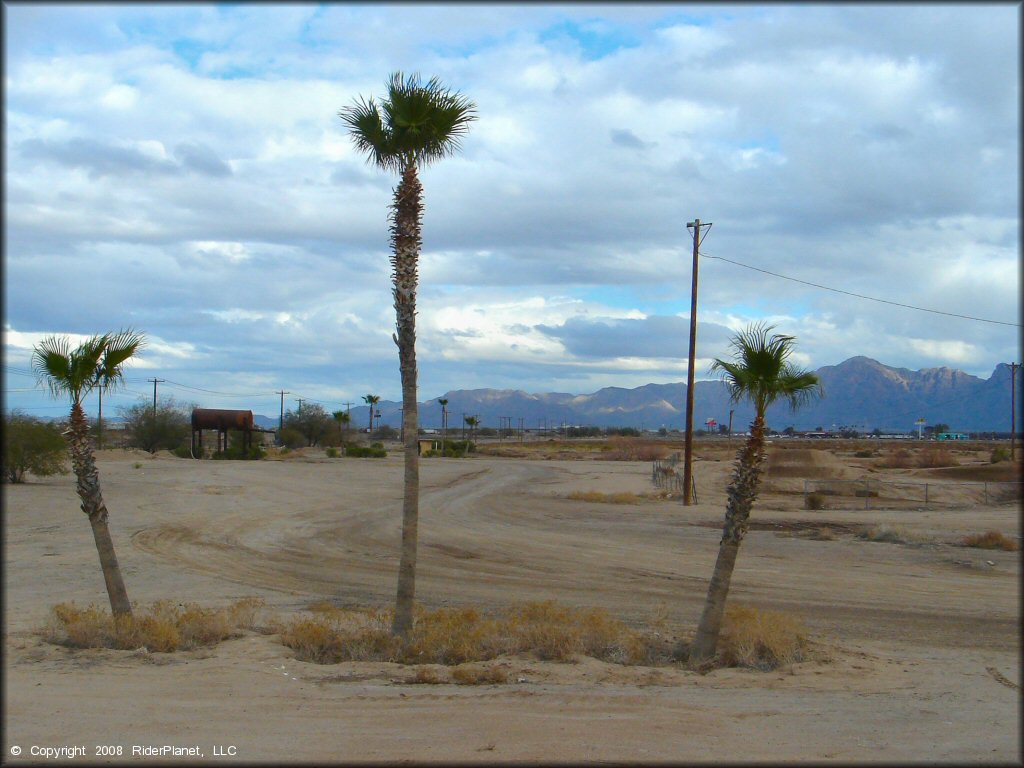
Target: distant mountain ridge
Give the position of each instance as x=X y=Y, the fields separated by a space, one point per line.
x=860 y=393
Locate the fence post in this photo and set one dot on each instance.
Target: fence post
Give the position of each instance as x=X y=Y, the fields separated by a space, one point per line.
x=986 y=493
x=926 y=494
x=805 y=494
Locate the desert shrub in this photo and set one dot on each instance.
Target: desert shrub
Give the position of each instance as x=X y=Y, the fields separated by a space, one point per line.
x=165 y=428
x=762 y=640
x=454 y=449
x=426 y=676
x=634 y=449
x=31 y=445
x=814 y=500
x=999 y=453
x=990 y=540
x=290 y=437
x=886 y=533
x=473 y=675
x=555 y=632
x=824 y=534
x=374 y=451
x=621 y=497
x=935 y=456
x=184 y=451
x=312 y=422
x=898 y=458
x=865 y=454
x=165 y=627
x=238 y=452
x=449 y=636
x=333 y=635
x=332 y=453
x=452 y=636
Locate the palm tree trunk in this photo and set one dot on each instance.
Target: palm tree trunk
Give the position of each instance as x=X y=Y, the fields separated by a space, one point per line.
x=741 y=493
x=405 y=237
x=83 y=461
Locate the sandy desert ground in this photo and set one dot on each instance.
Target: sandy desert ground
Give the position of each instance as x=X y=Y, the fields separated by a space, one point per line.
x=924 y=639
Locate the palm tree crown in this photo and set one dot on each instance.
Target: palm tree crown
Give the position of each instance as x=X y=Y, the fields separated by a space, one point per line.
x=415 y=125
x=761 y=371
x=97 y=362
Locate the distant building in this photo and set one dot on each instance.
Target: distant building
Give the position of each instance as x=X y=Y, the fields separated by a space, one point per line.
x=951 y=436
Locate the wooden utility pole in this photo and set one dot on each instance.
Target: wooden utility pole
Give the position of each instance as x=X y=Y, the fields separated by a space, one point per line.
x=1013 y=409
x=688 y=452
x=280 y=424
x=154 y=380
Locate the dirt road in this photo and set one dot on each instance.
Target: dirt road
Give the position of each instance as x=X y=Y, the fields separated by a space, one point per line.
x=924 y=637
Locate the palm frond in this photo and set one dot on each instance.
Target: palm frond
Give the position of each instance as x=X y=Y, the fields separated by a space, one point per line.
x=51 y=363
x=118 y=349
x=369 y=132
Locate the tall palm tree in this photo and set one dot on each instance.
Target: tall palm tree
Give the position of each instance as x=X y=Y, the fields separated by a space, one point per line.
x=96 y=363
x=444 y=420
x=760 y=372
x=416 y=124
x=372 y=401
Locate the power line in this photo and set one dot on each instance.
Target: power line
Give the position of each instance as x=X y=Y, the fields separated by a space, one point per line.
x=862 y=296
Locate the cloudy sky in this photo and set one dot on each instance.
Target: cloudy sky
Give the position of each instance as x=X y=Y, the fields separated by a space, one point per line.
x=181 y=169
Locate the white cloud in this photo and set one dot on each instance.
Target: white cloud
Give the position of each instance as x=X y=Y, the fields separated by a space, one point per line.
x=183 y=169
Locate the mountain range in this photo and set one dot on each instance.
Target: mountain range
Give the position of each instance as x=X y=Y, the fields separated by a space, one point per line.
x=859 y=393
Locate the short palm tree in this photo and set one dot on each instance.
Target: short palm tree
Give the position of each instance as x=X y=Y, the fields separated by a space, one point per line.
x=344 y=418
x=371 y=400
x=416 y=124
x=96 y=363
x=472 y=422
x=760 y=372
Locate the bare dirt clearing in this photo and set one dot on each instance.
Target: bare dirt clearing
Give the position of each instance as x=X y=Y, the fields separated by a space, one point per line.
x=920 y=633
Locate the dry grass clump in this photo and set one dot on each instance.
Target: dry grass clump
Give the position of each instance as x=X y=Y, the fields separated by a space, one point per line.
x=897 y=458
x=763 y=640
x=814 y=500
x=333 y=635
x=892 y=534
x=166 y=626
x=990 y=540
x=466 y=674
x=634 y=449
x=935 y=456
x=453 y=636
x=619 y=497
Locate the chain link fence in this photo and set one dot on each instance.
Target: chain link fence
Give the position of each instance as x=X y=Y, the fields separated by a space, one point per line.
x=898 y=494
x=668 y=475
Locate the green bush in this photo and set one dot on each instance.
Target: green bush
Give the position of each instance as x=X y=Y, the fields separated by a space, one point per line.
x=237 y=452
x=290 y=437
x=332 y=453
x=454 y=449
x=374 y=451
x=999 y=454
x=31 y=445
x=169 y=428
